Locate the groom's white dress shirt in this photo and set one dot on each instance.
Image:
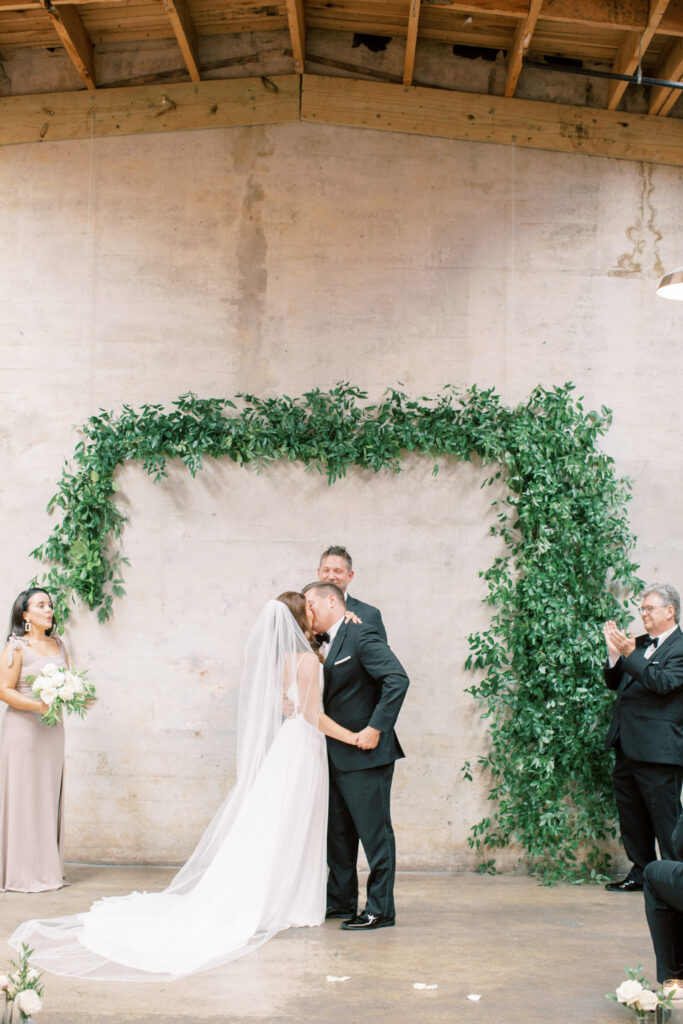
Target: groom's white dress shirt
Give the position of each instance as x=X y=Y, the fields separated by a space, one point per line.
x=332 y=632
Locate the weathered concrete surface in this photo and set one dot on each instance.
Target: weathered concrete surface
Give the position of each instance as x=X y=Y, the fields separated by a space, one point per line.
x=275 y=260
x=535 y=956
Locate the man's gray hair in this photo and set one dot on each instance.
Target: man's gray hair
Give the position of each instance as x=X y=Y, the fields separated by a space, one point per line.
x=668 y=594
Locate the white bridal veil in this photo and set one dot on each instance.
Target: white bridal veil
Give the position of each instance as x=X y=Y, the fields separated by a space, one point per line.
x=260 y=865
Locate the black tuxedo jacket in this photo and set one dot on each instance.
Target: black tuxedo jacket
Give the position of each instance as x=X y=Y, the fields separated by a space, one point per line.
x=647 y=719
x=365 y=684
x=367 y=613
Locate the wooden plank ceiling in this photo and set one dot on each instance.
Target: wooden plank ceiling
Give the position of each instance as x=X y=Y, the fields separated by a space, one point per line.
x=624 y=36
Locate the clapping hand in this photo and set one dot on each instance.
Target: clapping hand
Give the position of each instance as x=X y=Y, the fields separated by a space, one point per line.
x=619 y=643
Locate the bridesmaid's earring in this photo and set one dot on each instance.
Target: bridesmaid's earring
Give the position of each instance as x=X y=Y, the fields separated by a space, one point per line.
x=27 y=626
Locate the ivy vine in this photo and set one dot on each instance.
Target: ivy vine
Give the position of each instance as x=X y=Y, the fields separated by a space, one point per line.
x=566 y=568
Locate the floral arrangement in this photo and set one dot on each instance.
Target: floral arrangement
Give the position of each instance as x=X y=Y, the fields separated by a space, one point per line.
x=639 y=997
x=23 y=989
x=62 y=690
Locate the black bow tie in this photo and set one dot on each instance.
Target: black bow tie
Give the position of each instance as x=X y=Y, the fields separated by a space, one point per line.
x=651 y=640
x=322 y=638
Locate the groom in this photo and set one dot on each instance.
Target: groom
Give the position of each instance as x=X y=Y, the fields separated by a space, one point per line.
x=364 y=688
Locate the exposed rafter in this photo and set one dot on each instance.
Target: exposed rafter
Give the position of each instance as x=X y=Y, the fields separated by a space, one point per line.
x=297 y=33
x=69 y=27
x=149 y=108
x=186 y=34
x=498 y=119
x=671 y=69
x=350 y=102
x=520 y=46
x=632 y=48
x=411 y=42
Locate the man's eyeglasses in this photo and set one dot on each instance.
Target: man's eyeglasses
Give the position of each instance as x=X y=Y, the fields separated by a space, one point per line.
x=649 y=608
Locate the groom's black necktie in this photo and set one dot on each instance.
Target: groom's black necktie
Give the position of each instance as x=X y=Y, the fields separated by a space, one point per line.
x=322 y=638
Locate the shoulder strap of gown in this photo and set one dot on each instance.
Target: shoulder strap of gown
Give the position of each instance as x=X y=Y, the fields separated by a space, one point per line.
x=16 y=643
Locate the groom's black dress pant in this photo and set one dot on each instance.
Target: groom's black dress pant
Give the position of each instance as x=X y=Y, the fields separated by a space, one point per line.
x=360 y=810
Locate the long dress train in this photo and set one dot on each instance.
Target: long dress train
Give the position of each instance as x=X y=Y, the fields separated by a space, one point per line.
x=260 y=866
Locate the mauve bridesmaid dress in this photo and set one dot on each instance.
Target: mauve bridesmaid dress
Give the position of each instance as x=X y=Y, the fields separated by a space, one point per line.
x=31 y=788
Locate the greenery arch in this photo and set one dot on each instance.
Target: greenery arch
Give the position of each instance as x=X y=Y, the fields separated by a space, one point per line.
x=567 y=558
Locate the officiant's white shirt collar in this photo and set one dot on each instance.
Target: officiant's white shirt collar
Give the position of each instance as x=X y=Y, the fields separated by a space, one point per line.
x=662 y=637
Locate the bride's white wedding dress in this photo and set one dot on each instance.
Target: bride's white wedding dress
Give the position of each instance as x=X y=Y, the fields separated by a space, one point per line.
x=259 y=867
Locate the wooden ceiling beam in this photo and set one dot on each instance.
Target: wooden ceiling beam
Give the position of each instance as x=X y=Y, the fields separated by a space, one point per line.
x=185 y=32
x=296 y=17
x=671 y=70
x=150 y=108
x=68 y=25
x=411 y=42
x=520 y=46
x=631 y=49
x=498 y=119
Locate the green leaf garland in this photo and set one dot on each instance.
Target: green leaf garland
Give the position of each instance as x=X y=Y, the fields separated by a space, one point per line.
x=566 y=569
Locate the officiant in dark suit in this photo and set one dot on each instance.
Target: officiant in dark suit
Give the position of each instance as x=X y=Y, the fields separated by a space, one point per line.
x=364 y=687
x=647 y=730
x=336 y=566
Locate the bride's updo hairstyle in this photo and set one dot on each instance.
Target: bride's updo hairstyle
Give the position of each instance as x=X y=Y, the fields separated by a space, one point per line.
x=17 y=622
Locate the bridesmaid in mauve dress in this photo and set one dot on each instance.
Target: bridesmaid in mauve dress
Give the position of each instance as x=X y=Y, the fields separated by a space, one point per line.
x=31 y=753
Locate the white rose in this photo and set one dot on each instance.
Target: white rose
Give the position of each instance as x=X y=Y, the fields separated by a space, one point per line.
x=647 y=1000
x=28 y=1001
x=48 y=694
x=32 y=973
x=75 y=682
x=4 y=982
x=629 y=991
x=51 y=669
x=66 y=691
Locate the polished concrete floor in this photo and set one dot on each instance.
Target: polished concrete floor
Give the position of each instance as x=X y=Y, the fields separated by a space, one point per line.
x=533 y=955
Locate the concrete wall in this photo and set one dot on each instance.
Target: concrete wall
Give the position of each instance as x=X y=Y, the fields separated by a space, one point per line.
x=273 y=260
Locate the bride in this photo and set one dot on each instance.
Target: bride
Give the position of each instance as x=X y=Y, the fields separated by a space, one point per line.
x=260 y=866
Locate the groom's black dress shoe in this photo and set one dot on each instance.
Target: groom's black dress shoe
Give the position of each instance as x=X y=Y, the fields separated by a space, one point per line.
x=628 y=884
x=338 y=912
x=365 y=921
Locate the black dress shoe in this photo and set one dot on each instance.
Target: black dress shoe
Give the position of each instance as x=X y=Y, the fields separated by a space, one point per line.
x=338 y=912
x=628 y=884
x=365 y=921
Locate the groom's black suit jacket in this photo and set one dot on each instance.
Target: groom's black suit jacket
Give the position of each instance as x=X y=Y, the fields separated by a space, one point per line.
x=367 y=613
x=365 y=684
x=647 y=719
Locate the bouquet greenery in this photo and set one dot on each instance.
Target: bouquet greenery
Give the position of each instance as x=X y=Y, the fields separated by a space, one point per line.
x=63 y=691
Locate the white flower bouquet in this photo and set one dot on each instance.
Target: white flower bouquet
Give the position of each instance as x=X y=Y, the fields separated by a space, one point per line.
x=23 y=990
x=63 y=691
x=637 y=995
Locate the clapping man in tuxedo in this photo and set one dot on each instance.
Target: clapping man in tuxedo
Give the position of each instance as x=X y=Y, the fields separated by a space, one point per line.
x=336 y=566
x=364 y=687
x=647 y=730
